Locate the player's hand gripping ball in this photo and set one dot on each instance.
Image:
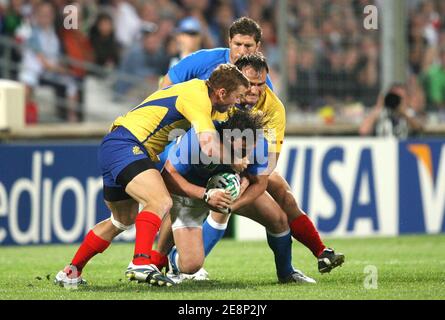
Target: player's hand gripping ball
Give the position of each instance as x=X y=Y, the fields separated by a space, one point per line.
x=227 y=181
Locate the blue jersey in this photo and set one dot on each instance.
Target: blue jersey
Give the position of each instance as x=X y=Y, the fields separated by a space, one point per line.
x=201 y=64
x=186 y=157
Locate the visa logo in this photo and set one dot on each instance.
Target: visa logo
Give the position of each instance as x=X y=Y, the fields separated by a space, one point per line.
x=346 y=188
x=422 y=187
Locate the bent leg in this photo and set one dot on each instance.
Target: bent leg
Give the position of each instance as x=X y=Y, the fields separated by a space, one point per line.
x=190 y=251
x=100 y=236
x=301 y=226
x=149 y=190
x=213 y=230
x=165 y=243
x=267 y=212
x=186 y=217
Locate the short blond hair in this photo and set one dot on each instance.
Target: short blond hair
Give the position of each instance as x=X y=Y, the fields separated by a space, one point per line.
x=227 y=76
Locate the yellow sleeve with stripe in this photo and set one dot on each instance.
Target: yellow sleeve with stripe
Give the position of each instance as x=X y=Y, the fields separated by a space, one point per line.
x=275 y=124
x=197 y=112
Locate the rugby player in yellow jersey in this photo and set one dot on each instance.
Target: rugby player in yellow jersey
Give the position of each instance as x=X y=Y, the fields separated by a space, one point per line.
x=278 y=201
x=260 y=99
x=127 y=158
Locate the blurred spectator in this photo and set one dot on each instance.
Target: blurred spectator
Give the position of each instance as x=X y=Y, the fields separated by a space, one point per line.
x=269 y=46
x=352 y=73
x=305 y=87
x=126 y=22
x=219 y=26
x=188 y=38
x=12 y=19
x=392 y=116
x=41 y=64
x=145 y=62
x=368 y=74
x=332 y=76
x=419 y=48
x=416 y=95
x=434 y=81
x=77 y=47
x=103 y=41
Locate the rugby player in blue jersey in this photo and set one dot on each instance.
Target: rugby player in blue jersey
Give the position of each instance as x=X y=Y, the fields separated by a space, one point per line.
x=186 y=172
x=244 y=39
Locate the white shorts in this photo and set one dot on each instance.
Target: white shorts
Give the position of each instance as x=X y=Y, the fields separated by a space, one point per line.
x=187 y=213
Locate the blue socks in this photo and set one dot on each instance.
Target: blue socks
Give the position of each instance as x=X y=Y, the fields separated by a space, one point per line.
x=173 y=258
x=281 y=245
x=212 y=232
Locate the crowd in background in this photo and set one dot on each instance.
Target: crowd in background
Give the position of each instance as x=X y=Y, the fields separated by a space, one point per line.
x=332 y=59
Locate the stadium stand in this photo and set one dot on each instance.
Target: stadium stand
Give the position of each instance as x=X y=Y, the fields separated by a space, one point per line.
x=334 y=65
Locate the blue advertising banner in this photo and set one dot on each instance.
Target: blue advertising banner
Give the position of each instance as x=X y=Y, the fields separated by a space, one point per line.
x=49 y=193
x=348 y=186
x=421 y=186
x=359 y=187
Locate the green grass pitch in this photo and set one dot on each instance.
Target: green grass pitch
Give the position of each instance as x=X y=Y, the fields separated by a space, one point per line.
x=408 y=267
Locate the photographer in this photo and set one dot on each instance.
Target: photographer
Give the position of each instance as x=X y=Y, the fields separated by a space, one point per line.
x=392 y=116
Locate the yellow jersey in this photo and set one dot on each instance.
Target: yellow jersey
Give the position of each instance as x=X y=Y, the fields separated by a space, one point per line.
x=175 y=107
x=272 y=109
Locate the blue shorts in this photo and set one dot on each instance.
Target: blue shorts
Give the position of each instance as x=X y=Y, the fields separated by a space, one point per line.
x=121 y=157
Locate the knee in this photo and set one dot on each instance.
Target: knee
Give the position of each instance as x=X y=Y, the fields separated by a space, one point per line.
x=219 y=217
x=190 y=264
x=279 y=224
x=126 y=220
x=162 y=204
x=288 y=200
x=166 y=204
x=122 y=223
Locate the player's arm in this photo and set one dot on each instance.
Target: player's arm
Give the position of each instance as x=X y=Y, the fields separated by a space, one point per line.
x=257 y=186
x=166 y=81
x=186 y=69
x=207 y=135
x=177 y=184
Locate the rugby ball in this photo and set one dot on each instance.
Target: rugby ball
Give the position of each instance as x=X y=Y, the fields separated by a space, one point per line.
x=228 y=181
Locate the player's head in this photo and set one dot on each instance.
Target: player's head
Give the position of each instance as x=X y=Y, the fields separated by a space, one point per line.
x=244 y=38
x=254 y=67
x=240 y=131
x=227 y=85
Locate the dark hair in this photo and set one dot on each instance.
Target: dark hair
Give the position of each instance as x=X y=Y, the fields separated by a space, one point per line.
x=255 y=60
x=227 y=76
x=247 y=27
x=94 y=31
x=242 y=120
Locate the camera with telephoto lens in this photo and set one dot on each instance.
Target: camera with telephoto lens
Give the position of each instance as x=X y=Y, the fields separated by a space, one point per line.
x=392 y=101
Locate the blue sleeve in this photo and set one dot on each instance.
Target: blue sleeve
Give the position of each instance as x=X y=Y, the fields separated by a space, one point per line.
x=260 y=159
x=188 y=68
x=269 y=83
x=182 y=154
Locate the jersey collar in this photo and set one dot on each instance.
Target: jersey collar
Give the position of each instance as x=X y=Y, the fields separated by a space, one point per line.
x=227 y=55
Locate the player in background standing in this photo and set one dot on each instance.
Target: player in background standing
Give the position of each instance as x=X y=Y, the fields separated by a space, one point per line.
x=127 y=158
